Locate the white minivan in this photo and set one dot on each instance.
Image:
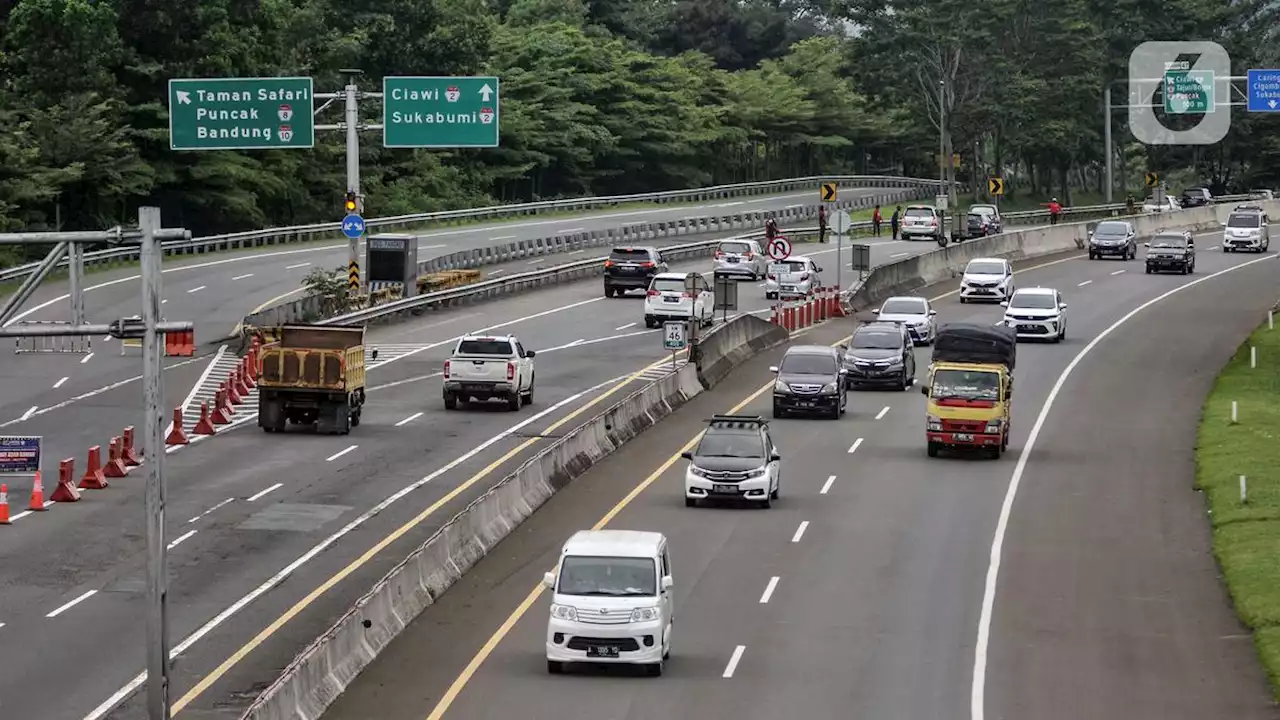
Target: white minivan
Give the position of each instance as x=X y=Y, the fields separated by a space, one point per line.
x=611 y=600
x=670 y=298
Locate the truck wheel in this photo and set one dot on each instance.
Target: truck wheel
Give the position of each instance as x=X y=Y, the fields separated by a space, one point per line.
x=355 y=419
x=933 y=449
x=450 y=401
x=995 y=452
x=513 y=401
x=528 y=394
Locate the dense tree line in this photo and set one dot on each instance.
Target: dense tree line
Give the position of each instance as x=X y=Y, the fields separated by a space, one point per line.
x=599 y=97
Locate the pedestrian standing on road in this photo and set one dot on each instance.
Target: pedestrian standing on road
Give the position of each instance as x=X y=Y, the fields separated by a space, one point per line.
x=875 y=221
x=894 y=221
x=770 y=230
x=822 y=223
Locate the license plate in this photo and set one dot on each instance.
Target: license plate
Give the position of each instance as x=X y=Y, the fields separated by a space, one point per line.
x=602 y=651
x=789 y=288
x=475 y=388
x=724 y=488
x=964 y=437
x=732 y=260
x=1028 y=328
x=670 y=299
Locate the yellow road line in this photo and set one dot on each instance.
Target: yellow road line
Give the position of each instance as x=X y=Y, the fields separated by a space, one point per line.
x=207 y=681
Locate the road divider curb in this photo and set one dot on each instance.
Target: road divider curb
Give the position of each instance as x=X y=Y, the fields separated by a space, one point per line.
x=730 y=344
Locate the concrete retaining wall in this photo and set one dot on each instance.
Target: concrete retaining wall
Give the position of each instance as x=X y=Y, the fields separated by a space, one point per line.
x=729 y=345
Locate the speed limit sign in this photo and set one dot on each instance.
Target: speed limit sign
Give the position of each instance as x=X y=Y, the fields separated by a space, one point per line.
x=779 y=248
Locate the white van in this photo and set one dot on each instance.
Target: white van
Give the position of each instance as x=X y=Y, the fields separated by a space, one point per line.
x=611 y=600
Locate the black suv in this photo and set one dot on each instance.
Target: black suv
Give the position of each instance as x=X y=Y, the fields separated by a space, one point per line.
x=631 y=268
x=880 y=353
x=1116 y=238
x=1195 y=197
x=1171 y=250
x=811 y=379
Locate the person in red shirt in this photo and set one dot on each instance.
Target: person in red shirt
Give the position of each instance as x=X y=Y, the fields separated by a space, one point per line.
x=876 y=219
x=1055 y=211
x=822 y=223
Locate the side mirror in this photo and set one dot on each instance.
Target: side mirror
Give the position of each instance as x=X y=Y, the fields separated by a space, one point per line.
x=844 y=371
x=819 y=269
x=1146 y=245
x=530 y=353
x=1062 y=306
x=1223 y=224
x=686 y=455
x=773 y=369
x=932 y=313
x=668 y=582
x=924 y=389
x=774 y=457
x=875 y=312
x=845 y=347
x=1004 y=303
x=549 y=580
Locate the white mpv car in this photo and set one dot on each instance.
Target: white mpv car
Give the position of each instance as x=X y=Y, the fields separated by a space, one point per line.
x=987 y=279
x=669 y=299
x=741 y=257
x=795 y=277
x=1038 y=313
x=611 y=600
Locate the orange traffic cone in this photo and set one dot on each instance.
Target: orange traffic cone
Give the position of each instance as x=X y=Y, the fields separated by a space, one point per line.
x=93 y=478
x=241 y=387
x=233 y=389
x=66 y=491
x=115 y=467
x=127 y=452
x=37 y=496
x=246 y=373
x=176 y=435
x=220 y=414
x=203 y=425
x=4 y=505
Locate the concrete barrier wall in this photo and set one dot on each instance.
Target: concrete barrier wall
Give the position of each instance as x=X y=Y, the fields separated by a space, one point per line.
x=718 y=352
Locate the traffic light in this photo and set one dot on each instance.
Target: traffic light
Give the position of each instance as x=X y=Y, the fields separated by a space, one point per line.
x=351 y=202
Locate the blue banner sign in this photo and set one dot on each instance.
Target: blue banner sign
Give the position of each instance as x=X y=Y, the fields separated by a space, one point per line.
x=19 y=455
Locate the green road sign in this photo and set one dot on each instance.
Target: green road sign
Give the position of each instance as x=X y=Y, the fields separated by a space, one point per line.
x=240 y=113
x=1188 y=92
x=440 y=112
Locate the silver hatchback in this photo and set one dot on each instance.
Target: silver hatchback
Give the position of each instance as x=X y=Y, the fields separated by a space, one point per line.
x=741 y=257
x=795 y=277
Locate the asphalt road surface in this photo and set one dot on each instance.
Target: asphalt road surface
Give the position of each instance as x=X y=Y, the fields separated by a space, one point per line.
x=861 y=592
x=258 y=523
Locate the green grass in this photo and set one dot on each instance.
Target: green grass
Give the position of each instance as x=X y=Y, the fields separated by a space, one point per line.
x=1246 y=537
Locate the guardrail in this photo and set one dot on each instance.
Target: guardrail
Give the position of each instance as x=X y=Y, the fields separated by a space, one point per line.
x=305 y=233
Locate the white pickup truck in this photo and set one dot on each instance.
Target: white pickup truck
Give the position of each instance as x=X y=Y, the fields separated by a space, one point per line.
x=484 y=367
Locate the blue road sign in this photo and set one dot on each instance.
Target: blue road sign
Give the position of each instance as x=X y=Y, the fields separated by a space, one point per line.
x=1263 y=90
x=19 y=455
x=353 y=226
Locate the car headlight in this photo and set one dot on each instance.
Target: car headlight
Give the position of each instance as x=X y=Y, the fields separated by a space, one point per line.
x=829 y=388
x=755 y=473
x=993 y=427
x=779 y=386
x=934 y=423
x=644 y=614
x=564 y=612
x=697 y=471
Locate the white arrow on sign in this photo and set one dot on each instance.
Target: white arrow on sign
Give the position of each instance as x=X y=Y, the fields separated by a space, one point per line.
x=184 y=97
x=486 y=92
x=1272 y=104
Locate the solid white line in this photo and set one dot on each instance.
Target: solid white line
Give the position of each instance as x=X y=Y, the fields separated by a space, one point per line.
x=59 y=383
x=274 y=581
x=768 y=590
x=72 y=604
x=206 y=512
x=1117 y=272
x=1 y=625
x=30 y=411
x=340 y=453
x=733 y=661
x=295 y=267
x=106 y=339
x=535 y=261
x=977 y=704
x=503 y=237
x=570 y=230
x=826 y=486
x=277 y=486
x=409 y=419
x=854 y=447
x=800 y=531
x=1086 y=282
x=883 y=411
x=495 y=272
x=898 y=255
x=575 y=252
x=86 y=358
x=163 y=302
x=196 y=289
x=624 y=327
x=182 y=537
x=19 y=516
x=242 y=277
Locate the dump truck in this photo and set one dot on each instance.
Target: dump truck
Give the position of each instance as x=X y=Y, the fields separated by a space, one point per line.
x=970 y=384
x=313 y=375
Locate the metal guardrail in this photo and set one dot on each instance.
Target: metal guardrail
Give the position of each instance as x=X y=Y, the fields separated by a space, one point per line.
x=304 y=233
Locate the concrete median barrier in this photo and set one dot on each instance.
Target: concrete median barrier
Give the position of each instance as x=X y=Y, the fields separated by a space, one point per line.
x=727 y=346
x=321 y=672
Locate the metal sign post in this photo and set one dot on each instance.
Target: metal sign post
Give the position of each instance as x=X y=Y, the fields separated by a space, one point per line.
x=841 y=223
x=674 y=338
x=726 y=290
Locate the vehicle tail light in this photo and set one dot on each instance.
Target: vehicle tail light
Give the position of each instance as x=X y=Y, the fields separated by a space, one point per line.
x=719 y=254
x=934 y=222
x=804 y=277
x=646 y=264
x=446 y=369
x=608 y=263
x=652 y=293
x=771 y=277
x=748 y=255
x=511 y=371
x=686 y=294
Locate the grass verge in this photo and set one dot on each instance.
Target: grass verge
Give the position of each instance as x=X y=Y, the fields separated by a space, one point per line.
x=1246 y=536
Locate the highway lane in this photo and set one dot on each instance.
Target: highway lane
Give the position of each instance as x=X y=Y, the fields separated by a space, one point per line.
x=405 y=437
x=880 y=555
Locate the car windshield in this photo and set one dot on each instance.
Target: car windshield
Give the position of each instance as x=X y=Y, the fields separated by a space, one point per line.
x=984 y=267
x=730 y=445
x=737 y=248
x=808 y=364
x=918 y=213
x=629 y=255
x=607 y=576
x=1169 y=241
x=903 y=307
x=966 y=384
x=876 y=340
x=485 y=347
x=1194 y=191
x=1111 y=229
x=1032 y=301
x=675 y=285
x=984 y=209
x=977 y=217
x=1244 y=220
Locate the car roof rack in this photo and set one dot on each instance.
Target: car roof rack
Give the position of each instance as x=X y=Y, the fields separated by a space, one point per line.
x=737 y=421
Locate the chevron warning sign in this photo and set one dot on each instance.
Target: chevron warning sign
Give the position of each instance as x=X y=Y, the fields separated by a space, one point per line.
x=353 y=275
x=995 y=185
x=828 y=192
x=1152 y=179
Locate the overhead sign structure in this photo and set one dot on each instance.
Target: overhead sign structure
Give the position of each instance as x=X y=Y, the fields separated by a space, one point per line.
x=841 y=223
x=1188 y=92
x=440 y=112
x=1262 y=87
x=241 y=113
x=779 y=249
x=353 y=226
x=673 y=335
x=1152 y=179
x=19 y=455
x=995 y=186
x=828 y=192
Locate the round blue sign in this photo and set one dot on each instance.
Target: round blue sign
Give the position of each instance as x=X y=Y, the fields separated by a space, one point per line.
x=353 y=226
